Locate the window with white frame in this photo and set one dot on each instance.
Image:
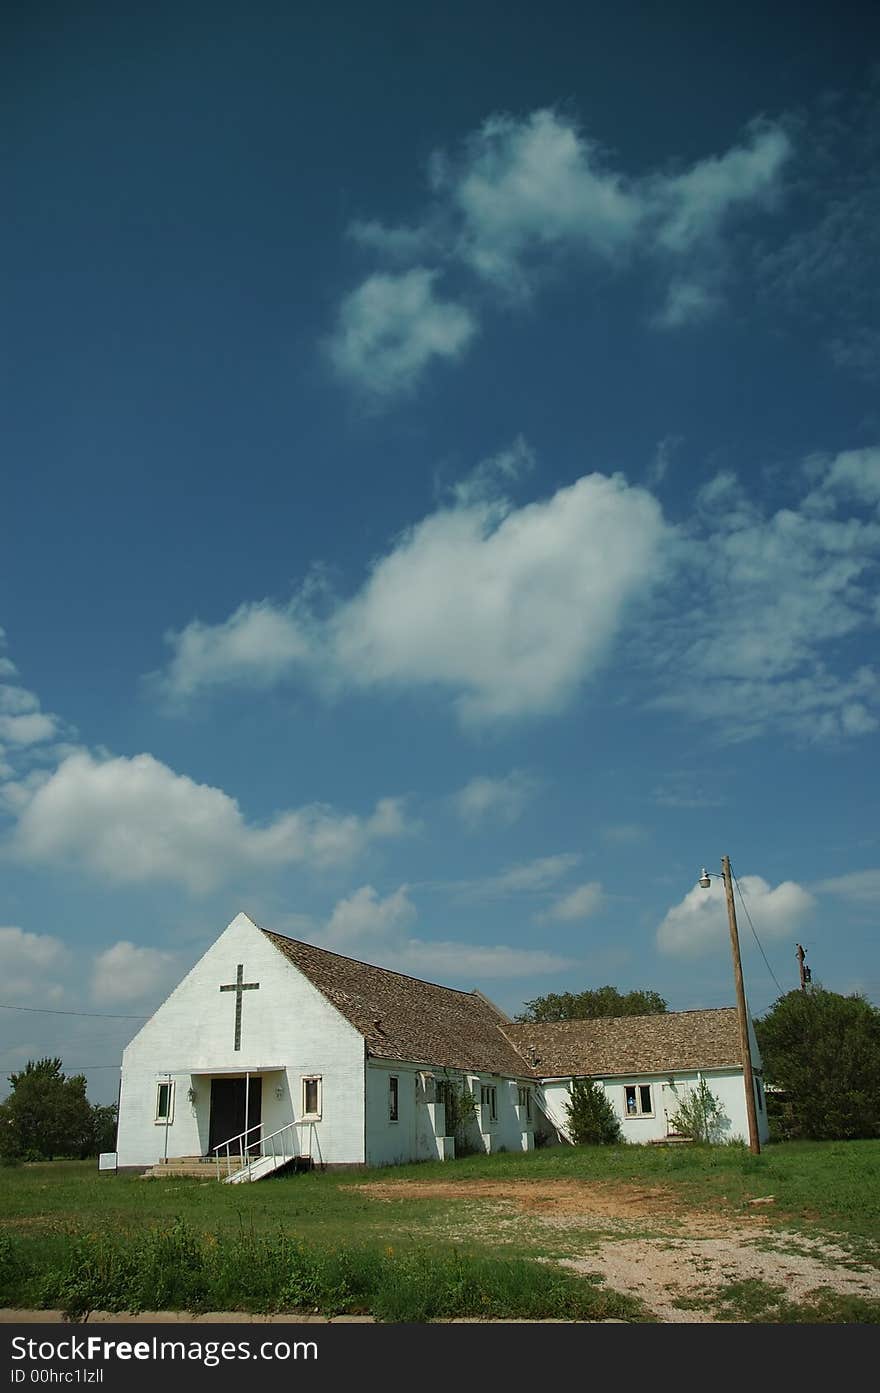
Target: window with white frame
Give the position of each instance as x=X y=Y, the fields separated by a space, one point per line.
x=489 y=1099
x=638 y=1100
x=311 y=1095
x=165 y=1102
x=393 y=1098
x=524 y=1100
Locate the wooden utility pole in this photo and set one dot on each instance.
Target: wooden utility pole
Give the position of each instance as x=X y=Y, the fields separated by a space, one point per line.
x=804 y=971
x=745 y=1047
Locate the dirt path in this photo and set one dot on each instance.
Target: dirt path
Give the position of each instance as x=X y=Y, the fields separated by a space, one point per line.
x=659 y=1249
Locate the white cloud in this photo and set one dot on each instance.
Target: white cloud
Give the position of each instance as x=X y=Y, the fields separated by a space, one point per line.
x=525 y=187
x=579 y=903
x=698 y=924
x=364 y=916
x=663 y=456
x=686 y=302
x=136 y=820
x=395 y=244
x=492 y=476
x=501 y=800
x=391 y=328
x=27 y=729
x=511 y=609
x=377 y=930
x=27 y=961
x=776 y=597
x=693 y=205
x=531 y=185
x=854 y=474
x=451 y=961
x=860 y=887
x=625 y=833
x=255 y=646
x=525 y=877
x=125 y=973
x=521 y=192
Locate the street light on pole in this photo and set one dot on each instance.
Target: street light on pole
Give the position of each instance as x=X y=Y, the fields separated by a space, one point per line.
x=742 y=1013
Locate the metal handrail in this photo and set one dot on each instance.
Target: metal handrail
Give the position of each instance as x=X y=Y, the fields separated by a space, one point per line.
x=248 y=1162
x=242 y=1149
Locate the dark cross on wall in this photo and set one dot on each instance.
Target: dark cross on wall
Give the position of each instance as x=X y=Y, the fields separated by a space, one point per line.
x=238 y=986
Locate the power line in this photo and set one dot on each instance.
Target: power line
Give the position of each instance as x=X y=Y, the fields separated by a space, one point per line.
x=94 y=1015
x=755 y=936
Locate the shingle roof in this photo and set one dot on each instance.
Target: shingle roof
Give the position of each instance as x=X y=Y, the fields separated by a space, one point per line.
x=631 y=1044
x=404 y=1018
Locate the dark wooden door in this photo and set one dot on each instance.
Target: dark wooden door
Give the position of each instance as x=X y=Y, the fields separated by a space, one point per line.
x=228 y=1110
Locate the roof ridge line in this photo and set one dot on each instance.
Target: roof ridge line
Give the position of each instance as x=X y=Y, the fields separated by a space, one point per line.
x=407 y=976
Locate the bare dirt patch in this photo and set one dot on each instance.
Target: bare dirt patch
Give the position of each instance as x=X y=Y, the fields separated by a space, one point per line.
x=563 y=1197
x=663 y=1271
x=679 y=1254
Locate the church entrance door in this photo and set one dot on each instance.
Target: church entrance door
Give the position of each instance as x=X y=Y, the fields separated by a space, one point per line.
x=230 y=1099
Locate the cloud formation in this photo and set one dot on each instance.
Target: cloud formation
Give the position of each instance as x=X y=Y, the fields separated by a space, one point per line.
x=22 y=723
x=485 y=800
x=391 y=327
x=858 y=887
x=377 y=930
x=135 y=820
x=577 y=904
x=779 y=594
x=125 y=973
x=523 y=192
x=509 y=609
x=698 y=924
x=28 y=963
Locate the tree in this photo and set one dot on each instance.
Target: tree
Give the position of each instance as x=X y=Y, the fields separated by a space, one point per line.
x=587 y=1005
x=103 y=1136
x=592 y=1120
x=46 y=1114
x=823 y=1050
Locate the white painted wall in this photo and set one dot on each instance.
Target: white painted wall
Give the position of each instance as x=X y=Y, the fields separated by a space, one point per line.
x=418 y=1133
x=726 y=1084
x=391 y=1143
x=286 y=1023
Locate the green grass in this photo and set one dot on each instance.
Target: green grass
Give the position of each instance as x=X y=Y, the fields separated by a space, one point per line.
x=821 y=1190
x=760 y=1303
x=821 y=1186
x=174 y=1267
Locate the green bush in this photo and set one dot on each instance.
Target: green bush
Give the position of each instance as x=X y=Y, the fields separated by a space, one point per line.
x=592 y=1120
x=699 y=1115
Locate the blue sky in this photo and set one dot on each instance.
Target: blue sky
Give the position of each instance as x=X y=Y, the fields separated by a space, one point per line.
x=440 y=499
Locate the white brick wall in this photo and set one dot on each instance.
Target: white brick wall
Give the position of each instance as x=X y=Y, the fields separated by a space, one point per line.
x=287 y=1023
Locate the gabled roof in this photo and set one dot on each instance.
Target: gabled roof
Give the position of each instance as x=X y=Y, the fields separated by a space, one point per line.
x=621 y=1045
x=404 y=1018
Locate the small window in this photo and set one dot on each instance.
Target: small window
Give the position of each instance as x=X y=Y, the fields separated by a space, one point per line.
x=393 y=1109
x=524 y=1100
x=311 y=1099
x=637 y=1100
x=165 y=1102
x=489 y=1099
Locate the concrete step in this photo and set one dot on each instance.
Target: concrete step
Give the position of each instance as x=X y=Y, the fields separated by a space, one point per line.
x=200 y=1170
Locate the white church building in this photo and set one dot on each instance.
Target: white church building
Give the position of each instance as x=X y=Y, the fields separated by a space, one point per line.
x=272 y=1050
